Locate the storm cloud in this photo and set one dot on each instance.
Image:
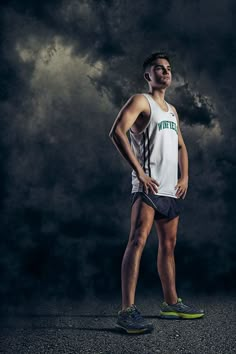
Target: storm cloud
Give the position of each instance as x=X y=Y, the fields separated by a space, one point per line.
x=67 y=67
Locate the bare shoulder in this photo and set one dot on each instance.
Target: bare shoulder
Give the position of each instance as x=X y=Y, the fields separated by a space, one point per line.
x=173 y=107
x=136 y=107
x=138 y=100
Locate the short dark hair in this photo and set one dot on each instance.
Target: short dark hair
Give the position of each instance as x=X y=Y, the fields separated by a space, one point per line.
x=151 y=58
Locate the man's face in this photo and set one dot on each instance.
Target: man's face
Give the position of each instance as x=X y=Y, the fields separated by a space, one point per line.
x=160 y=73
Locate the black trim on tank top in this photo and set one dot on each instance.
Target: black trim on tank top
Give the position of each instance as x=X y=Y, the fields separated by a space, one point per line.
x=149 y=167
x=144 y=153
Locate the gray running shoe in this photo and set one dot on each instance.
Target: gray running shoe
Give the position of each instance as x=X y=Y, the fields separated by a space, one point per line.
x=180 y=311
x=132 y=321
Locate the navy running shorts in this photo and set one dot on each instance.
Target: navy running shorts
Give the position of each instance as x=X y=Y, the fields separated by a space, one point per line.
x=165 y=207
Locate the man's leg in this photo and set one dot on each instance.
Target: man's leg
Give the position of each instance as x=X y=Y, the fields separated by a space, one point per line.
x=142 y=216
x=167 y=233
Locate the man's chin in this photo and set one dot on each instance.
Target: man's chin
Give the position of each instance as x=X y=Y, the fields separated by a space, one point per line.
x=164 y=85
x=166 y=82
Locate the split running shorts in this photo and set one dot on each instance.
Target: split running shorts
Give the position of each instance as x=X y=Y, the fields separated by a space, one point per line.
x=165 y=207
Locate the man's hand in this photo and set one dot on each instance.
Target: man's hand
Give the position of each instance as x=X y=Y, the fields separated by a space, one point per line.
x=148 y=182
x=182 y=187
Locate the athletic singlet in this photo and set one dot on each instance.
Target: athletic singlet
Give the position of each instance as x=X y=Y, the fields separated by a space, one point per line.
x=156 y=148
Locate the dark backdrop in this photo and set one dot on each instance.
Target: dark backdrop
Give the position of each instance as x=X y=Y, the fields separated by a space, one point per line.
x=67 y=67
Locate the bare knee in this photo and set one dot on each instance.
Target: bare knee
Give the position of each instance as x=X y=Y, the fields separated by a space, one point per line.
x=167 y=245
x=138 y=239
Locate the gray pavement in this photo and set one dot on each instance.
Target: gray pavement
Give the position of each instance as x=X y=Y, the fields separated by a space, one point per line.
x=88 y=327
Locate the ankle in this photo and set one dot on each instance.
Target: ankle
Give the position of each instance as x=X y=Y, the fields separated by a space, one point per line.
x=124 y=307
x=171 y=301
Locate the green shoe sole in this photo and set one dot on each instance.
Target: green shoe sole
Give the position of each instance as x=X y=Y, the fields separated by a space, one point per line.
x=179 y=315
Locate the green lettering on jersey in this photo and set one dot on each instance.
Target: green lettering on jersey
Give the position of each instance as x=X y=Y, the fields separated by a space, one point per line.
x=167 y=124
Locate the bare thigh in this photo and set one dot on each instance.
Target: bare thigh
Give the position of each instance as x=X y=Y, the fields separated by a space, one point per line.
x=142 y=216
x=167 y=229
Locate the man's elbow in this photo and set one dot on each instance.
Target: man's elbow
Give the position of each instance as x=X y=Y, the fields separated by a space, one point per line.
x=182 y=146
x=115 y=132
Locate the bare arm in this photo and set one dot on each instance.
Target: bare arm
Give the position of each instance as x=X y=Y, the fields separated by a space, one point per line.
x=124 y=121
x=183 y=161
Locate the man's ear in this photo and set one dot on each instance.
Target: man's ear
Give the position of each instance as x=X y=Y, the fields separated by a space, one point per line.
x=147 y=76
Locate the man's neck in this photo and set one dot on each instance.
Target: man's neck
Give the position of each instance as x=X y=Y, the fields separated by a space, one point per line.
x=158 y=95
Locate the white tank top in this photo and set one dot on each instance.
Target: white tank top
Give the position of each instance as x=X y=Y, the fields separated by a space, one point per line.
x=156 y=148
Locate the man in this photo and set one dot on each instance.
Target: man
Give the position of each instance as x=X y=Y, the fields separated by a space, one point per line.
x=157 y=147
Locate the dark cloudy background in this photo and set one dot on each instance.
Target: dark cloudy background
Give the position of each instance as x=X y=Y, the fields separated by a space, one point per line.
x=67 y=67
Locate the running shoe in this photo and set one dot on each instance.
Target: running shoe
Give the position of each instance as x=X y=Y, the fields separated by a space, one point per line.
x=180 y=311
x=132 y=321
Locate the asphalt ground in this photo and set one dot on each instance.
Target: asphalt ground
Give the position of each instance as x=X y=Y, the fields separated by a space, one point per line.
x=88 y=326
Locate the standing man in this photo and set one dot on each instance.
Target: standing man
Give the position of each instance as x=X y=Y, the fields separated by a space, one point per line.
x=157 y=146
